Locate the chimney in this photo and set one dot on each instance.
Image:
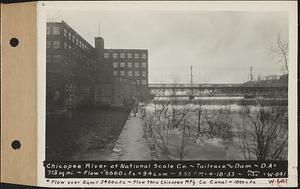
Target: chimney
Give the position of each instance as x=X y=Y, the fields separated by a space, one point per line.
x=99 y=47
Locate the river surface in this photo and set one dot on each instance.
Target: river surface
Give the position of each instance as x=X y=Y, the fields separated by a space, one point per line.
x=85 y=134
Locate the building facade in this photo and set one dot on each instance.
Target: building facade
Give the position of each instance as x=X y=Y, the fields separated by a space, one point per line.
x=70 y=67
x=112 y=88
x=129 y=63
x=79 y=74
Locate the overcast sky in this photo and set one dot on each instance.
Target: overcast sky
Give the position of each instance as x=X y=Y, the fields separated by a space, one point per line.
x=220 y=45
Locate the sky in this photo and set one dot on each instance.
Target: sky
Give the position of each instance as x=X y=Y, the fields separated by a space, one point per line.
x=220 y=45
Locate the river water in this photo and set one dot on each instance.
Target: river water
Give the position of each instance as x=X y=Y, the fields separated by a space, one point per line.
x=83 y=134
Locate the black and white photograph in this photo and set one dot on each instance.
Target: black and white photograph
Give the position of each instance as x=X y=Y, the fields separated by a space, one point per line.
x=167 y=85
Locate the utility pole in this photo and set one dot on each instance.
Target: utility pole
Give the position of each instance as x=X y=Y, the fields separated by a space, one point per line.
x=99 y=26
x=191 y=91
x=191 y=75
x=251 y=76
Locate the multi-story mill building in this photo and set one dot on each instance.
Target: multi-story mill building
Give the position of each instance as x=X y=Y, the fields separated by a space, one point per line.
x=129 y=63
x=70 y=67
x=79 y=74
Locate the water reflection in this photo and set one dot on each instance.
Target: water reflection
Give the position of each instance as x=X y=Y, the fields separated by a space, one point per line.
x=76 y=133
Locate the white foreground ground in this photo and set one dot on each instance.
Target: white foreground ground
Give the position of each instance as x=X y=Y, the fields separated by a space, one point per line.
x=132 y=144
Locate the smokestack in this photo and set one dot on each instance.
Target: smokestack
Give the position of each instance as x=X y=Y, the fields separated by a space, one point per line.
x=99 y=43
x=99 y=46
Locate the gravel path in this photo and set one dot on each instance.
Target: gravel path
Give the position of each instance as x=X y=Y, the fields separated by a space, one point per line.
x=131 y=144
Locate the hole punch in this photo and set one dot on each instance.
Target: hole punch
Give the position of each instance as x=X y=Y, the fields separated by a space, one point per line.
x=16 y=145
x=14 y=42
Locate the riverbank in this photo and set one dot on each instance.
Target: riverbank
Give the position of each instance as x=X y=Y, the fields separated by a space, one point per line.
x=132 y=143
x=228 y=101
x=218 y=133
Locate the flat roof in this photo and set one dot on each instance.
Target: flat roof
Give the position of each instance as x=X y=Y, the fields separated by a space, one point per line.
x=124 y=50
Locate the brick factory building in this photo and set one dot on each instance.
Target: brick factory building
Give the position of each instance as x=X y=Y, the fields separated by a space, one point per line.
x=130 y=65
x=79 y=74
x=70 y=67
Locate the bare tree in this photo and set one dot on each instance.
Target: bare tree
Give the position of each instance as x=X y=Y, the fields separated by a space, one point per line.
x=171 y=128
x=199 y=116
x=216 y=126
x=265 y=137
x=281 y=51
x=168 y=121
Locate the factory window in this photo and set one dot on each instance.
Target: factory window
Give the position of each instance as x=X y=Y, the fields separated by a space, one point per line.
x=80 y=44
x=115 y=64
x=65 y=45
x=129 y=73
x=73 y=39
x=115 y=55
x=106 y=55
x=144 y=74
x=122 y=55
x=48 y=30
x=65 y=32
x=136 y=65
x=70 y=36
x=56 y=59
x=129 y=55
x=122 y=64
x=144 y=64
x=129 y=65
x=136 y=73
x=76 y=41
x=56 y=30
x=56 y=44
x=122 y=73
x=115 y=73
x=144 y=55
x=136 y=55
x=138 y=82
x=70 y=47
x=143 y=82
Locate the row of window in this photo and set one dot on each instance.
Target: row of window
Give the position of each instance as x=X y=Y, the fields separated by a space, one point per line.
x=75 y=40
x=129 y=73
x=53 y=58
x=53 y=44
x=53 y=30
x=142 y=82
x=129 y=64
x=57 y=45
x=139 y=82
x=123 y=55
x=58 y=59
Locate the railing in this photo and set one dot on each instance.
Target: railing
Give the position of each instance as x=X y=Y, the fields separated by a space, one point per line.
x=211 y=85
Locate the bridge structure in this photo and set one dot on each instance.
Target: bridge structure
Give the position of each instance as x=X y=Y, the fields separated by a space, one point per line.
x=217 y=90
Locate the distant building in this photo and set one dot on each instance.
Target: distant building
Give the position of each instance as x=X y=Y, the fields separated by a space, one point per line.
x=130 y=65
x=272 y=77
x=70 y=67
